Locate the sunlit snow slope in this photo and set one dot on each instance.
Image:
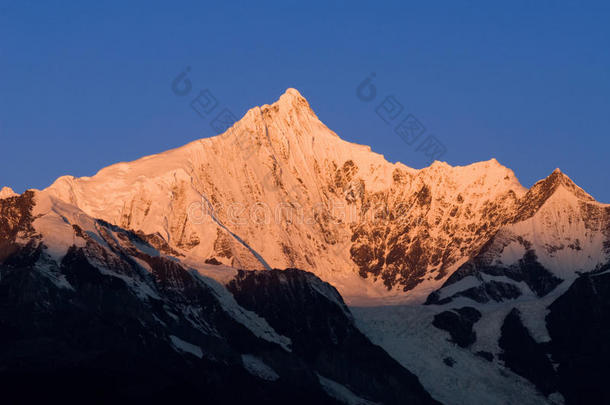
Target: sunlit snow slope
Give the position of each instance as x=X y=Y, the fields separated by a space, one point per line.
x=281 y=186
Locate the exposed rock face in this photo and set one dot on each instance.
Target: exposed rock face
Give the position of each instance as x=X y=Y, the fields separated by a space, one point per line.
x=16 y=223
x=433 y=222
x=557 y=231
x=522 y=354
x=106 y=341
x=312 y=313
x=544 y=189
x=458 y=323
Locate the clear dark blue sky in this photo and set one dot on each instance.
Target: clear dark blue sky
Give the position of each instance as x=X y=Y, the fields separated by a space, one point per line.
x=84 y=86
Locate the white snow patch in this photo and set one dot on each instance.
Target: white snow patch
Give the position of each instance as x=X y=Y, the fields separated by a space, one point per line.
x=533 y=312
x=258 y=368
x=512 y=253
x=341 y=393
x=139 y=287
x=186 y=347
x=221 y=273
x=461 y=285
x=142 y=263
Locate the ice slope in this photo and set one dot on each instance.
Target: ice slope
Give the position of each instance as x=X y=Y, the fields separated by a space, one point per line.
x=406 y=333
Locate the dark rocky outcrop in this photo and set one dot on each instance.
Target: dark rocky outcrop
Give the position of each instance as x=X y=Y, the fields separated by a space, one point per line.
x=458 y=322
x=486 y=355
x=97 y=341
x=449 y=361
x=579 y=326
x=79 y=334
x=527 y=270
x=540 y=192
x=16 y=221
x=312 y=314
x=523 y=355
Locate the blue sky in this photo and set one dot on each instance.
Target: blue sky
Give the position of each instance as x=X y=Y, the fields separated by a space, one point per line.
x=86 y=85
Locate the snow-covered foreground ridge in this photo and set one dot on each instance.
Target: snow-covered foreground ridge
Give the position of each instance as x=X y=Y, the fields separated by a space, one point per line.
x=282 y=187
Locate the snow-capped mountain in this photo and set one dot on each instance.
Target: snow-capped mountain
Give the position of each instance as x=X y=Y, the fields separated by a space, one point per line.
x=370 y=227
x=463 y=276
x=557 y=232
x=524 y=284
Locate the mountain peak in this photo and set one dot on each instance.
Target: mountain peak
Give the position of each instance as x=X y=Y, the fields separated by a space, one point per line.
x=559 y=179
x=545 y=189
x=290 y=101
x=291 y=93
x=290 y=107
x=6 y=192
x=284 y=123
